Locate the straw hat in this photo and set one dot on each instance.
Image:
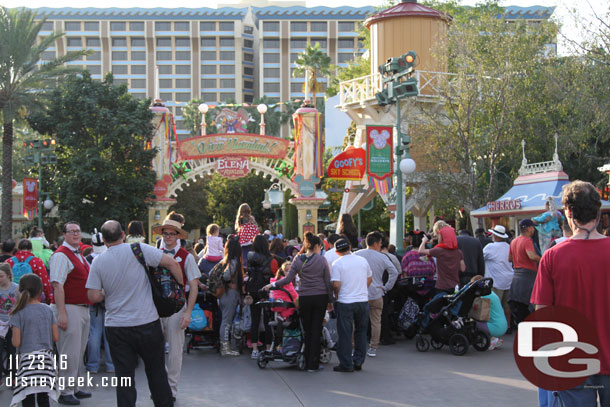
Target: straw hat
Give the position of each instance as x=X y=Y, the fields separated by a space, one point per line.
x=173 y=225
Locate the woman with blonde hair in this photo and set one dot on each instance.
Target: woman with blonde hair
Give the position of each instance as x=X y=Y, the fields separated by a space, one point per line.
x=449 y=259
x=246 y=228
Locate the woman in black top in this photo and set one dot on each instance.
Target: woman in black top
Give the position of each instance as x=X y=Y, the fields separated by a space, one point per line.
x=259 y=274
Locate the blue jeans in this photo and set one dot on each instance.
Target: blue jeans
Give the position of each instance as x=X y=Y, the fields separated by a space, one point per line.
x=352 y=318
x=146 y=341
x=586 y=394
x=96 y=333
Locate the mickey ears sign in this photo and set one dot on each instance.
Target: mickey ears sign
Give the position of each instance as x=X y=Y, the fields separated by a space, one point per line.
x=348 y=165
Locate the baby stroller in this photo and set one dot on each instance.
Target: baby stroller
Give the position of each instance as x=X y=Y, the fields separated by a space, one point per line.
x=209 y=336
x=445 y=318
x=406 y=290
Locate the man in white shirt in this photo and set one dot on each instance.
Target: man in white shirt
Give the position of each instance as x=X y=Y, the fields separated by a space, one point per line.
x=350 y=276
x=331 y=254
x=498 y=267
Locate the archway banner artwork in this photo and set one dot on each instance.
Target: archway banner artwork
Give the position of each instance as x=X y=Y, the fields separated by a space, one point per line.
x=379 y=162
x=232 y=144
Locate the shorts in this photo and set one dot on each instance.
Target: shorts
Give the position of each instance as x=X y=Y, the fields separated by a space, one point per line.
x=503 y=296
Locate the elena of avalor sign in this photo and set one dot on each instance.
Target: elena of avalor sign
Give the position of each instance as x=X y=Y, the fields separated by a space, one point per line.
x=233 y=167
x=379 y=152
x=348 y=165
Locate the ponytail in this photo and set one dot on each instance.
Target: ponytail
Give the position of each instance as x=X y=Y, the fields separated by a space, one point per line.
x=30 y=287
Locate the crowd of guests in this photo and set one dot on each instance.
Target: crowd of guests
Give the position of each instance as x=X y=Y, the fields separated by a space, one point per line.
x=99 y=293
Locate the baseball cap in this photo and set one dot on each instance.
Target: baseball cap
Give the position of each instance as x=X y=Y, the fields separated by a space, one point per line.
x=341 y=245
x=526 y=223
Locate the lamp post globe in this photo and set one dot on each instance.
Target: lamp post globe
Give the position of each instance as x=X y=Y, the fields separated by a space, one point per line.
x=203 y=108
x=407 y=166
x=262 y=108
x=48 y=204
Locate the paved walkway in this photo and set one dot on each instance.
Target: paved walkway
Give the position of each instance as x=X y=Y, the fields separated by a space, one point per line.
x=399 y=376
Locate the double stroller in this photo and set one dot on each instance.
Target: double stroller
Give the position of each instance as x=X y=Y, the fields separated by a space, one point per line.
x=287 y=335
x=445 y=318
x=209 y=336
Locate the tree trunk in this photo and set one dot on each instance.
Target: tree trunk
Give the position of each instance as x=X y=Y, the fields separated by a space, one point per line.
x=7 y=180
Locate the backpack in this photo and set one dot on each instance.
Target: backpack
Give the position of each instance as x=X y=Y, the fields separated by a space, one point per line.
x=408 y=314
x=215 y=283
x=20 y=269
x=167 y=293
x=198 y=319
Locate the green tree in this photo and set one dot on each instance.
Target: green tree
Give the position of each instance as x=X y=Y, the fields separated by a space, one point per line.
x=313 y=63
x=23 y=84
x=104 y=170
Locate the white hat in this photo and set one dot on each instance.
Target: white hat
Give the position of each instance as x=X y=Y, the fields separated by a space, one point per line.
x=499 y=231
x=98 y=244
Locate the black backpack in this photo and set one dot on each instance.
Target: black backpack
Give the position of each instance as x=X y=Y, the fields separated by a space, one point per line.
x=258 y=276
x=168 y=294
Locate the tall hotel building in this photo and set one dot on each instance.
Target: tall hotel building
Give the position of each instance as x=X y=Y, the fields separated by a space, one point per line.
x=210 y=54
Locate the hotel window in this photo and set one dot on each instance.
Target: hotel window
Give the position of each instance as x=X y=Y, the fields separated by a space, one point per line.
x=271 y=58
x=136 y=26
x=271 y=72
x=165 y=83
x=346 y=26
x=227 y=55
x=248 y=70
x=248 y=43
x=138 y=42
x=208 y=69
x=94 y=69
x=271 y=87
x=92 y=26
x=271 y=44
x=138 y=56
x=119 y=55
x=227 y=42
x=296 y=87
x=226 y=26
x=248 y=98
x=292 y=75
x=47 y=26
x=93 y=42
x=117 y=26
x=207 y=26
x=225 y=97
x=119 y=42
x=119 y=69
x=208 y=42
x=165 y=69
x=227 y=69
x=96 y=56
x=227 y=83
x=138 y=95
x=138 y=69
x=271 y=26
x=293 y=57
x=248 y=57
x=183 y=55
x=163 y=26
x=318 y=26
x=321 y=41
x=164 y=55
x=75 y=42
x=248 y=29
x=166 y=96
x=164 y=42
x=344 y=57
x=183 y=42
x=183 y=96
x=181 y=26
x=72 y=26
x=208 y=97
x=248 y=85
x=208 y=83
x=183 y=69
x=208 y=55
x=346 y=43
x=138 y=83
x=298 y=26
x=298 y=43
x=119 y=81
x=183 y=83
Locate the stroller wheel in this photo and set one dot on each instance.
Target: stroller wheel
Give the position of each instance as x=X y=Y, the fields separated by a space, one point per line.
x=325 y=355
x=436 y=344
x=301 y=361
x=422 y=344
x=410 y=332
x=261 y=361
x=481 y=341
x=458 y=344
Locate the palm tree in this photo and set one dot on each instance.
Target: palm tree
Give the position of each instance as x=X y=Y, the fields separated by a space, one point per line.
x=23 y=84
x=313 y=63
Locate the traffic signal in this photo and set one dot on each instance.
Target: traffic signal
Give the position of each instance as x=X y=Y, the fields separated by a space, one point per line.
x=29 y=160
x=406 y=88
x=382 y=97
x=408 y=61
x=48 y=159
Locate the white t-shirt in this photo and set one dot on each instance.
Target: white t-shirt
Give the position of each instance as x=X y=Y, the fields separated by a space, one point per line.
x=215 y=248
x=331 y=255
x=497 y=265
x=128 y=295
x=352 y=271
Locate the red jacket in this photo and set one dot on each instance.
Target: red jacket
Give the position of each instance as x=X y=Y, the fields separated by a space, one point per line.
x=39 y=269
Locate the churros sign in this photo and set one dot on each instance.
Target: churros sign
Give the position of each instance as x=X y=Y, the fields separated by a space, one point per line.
x=235 y=145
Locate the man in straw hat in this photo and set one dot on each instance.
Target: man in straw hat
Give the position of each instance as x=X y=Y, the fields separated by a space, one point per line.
x=498 y=267
x=174 y=326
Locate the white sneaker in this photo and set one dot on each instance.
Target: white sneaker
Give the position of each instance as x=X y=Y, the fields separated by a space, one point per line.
x=372 y=352
x=254 y=354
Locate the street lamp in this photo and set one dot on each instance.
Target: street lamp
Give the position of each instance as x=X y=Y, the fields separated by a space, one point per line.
x=203 y=108
x=41 y=152
x=262 y=109
x=267 y=202
x=274 y=199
